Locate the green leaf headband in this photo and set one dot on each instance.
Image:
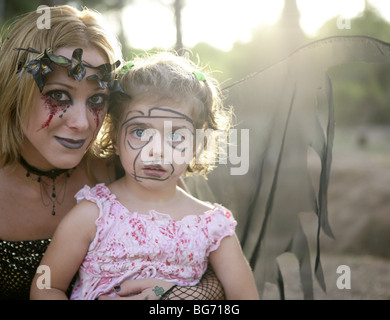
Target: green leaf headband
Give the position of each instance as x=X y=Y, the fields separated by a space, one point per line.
x=126 y=67
x=199 y=75
x=116 y=87
x=41 y=66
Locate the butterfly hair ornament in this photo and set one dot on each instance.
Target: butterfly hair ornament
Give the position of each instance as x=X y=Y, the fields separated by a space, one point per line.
x=115 y=86
x=41 y=65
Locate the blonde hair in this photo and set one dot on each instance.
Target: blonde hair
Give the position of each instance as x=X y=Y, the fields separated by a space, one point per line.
x=166 y=75
x=68 y=27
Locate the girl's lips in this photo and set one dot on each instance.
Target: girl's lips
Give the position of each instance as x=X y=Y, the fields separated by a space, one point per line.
x=156 y=171
x=70 y=143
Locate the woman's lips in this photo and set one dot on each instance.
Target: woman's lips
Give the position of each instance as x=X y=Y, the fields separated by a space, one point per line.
x=70 y=143
x=156 y=171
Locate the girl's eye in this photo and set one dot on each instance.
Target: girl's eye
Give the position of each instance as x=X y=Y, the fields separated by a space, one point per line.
x=139 y=137
x=140 y=133
x=176 y=137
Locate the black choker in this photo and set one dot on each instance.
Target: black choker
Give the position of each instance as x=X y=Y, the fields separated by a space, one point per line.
x=51 y=174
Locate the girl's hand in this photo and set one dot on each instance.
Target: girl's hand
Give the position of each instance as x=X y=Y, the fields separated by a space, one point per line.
x=141 y=289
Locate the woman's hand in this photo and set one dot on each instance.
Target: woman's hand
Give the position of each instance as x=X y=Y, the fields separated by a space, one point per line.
x=140 y=289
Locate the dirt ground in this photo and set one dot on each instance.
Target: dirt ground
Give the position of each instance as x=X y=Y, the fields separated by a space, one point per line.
x=359 y=214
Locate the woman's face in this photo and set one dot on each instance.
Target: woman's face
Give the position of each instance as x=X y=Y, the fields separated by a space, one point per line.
x=66 y=116
x=156 y=142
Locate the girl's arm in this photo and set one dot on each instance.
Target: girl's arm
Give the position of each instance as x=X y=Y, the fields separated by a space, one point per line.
x=65 y=252
x=233 y=270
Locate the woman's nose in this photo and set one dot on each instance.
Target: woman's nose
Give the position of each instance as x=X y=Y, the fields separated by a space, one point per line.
x=76 y=116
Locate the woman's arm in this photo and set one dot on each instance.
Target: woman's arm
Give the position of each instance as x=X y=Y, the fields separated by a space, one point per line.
x=66 y=252
x=233 y=270
x=209 y=288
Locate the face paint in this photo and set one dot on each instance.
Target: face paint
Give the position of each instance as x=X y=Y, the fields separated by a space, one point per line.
x=147 y=135
x=65 y=110
x=53 y=107
x=97 y=114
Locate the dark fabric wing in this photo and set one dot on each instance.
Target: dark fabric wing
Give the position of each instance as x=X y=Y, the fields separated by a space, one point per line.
x=287 y=110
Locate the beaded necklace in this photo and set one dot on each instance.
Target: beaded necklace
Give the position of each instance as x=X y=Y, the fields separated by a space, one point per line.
x=52 y=195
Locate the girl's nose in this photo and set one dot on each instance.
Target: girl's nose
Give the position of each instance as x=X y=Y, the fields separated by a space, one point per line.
x=156 y=146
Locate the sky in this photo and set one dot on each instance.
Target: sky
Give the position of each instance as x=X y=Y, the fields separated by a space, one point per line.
x=150 y=23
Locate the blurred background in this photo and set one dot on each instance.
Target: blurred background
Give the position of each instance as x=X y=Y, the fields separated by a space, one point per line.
x=235 y=38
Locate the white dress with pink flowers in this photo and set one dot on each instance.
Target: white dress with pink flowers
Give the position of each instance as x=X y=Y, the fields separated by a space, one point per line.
x=129 y=245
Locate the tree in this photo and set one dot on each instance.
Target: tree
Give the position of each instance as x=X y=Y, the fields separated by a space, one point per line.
x=178 y=6
x=361 y=93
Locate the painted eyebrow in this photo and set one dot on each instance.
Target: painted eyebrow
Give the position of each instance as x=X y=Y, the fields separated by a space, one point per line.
x=174 y=128
x=148 y=124
x=133 y=111
x=143 y=124
x=128 y=120
x=179 y=114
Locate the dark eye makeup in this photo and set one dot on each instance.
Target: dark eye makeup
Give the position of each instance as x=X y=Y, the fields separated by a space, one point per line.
x=59 y=97
x=97 y=101
x=62 y=98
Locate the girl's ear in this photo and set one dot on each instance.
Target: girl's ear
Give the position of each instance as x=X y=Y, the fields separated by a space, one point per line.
x=199 y=147
x=194 y=146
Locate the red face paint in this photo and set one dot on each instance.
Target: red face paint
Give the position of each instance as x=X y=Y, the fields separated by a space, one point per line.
x=97 y=114
x=53 y=107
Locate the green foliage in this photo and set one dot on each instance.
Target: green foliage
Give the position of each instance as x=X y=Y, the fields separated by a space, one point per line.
x=369 y=23
x=362 y=94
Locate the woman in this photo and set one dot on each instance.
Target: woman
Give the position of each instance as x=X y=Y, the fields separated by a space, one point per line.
x=143 y=224
x=54 y=88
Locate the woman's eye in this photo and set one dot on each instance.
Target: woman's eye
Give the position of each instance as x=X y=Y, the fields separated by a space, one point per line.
x=97 y=100
x=59 y=96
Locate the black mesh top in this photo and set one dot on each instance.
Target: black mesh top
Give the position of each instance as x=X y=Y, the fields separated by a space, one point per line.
x=19 y=261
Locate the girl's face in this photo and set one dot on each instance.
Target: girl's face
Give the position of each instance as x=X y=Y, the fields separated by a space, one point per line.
x=156 y=142
x=66 y=116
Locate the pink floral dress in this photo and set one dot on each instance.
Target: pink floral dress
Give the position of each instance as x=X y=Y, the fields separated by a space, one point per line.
x=129 y=245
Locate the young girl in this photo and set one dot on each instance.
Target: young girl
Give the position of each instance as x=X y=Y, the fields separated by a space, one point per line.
x=143 y=225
